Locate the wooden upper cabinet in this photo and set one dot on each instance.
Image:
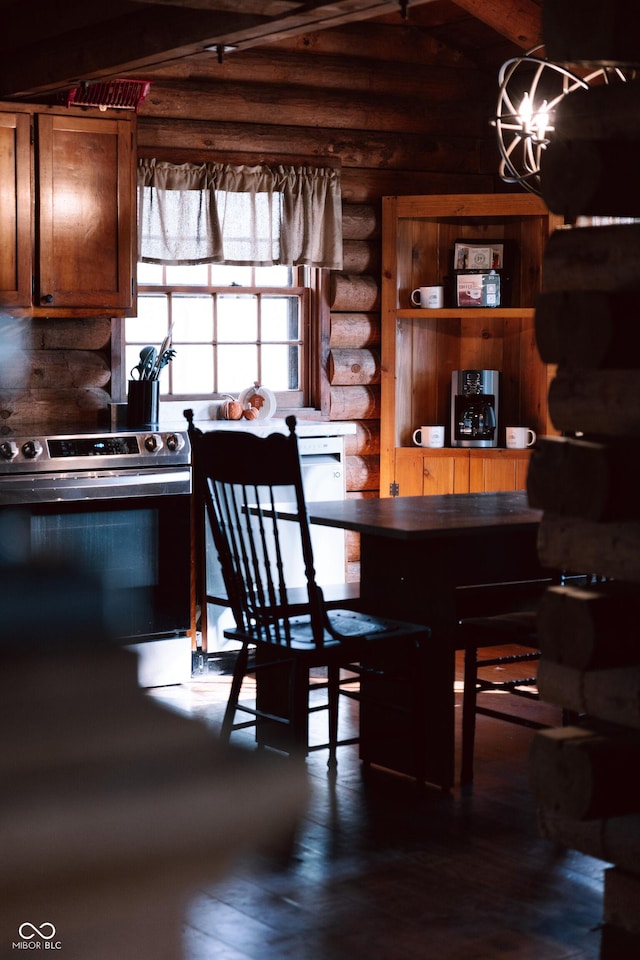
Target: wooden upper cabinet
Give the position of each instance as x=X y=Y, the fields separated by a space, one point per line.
x=81 y=231
x=422 y=347
x=84 y=226
x=15 y=210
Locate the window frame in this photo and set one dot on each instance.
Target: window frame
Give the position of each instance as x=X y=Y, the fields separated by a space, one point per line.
x=314 y=394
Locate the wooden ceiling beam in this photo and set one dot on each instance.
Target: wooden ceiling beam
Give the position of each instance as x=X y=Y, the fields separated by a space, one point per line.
x=264 y=8
x=137 y=37
x=132 y=37
x=518 y=20
x=313 y=17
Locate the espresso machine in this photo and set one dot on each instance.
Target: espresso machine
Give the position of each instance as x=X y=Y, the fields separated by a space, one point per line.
x=474 y=408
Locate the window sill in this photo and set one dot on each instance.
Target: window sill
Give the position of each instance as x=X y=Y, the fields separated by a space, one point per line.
x=172 y=410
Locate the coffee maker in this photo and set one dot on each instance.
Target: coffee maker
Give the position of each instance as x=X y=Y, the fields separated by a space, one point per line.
x=474 y=408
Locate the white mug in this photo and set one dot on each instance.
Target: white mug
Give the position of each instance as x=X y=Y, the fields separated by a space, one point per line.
x=520 y=437
x=430 y=297
x=429 y=436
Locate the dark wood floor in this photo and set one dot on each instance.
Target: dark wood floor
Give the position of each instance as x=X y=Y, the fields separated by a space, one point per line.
x=382 y=871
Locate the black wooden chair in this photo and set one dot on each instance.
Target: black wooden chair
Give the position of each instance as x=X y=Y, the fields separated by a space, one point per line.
x=246 y=483
x=506 y=616
x=517 y=631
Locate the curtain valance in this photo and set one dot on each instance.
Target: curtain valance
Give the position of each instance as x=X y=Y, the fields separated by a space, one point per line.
x=238 y=214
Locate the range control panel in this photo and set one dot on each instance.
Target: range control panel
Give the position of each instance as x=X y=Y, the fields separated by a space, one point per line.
x=81 y=451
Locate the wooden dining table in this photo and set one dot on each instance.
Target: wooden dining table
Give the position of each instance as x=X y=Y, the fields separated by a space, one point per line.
x=420 y=558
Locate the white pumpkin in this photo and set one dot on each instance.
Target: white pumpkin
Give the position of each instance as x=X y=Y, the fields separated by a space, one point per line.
x=260 y=398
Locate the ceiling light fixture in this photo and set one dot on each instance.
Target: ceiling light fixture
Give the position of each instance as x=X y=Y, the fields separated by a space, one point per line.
x=531 y=88
x=220 y=49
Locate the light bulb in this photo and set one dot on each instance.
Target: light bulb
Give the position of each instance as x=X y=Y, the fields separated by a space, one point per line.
x=541 y=121
x=525 y=111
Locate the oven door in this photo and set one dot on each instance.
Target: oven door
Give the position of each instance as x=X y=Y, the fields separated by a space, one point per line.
x=133 y=533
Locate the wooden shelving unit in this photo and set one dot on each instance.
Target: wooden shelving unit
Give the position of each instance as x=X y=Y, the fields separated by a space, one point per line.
x=421 y=348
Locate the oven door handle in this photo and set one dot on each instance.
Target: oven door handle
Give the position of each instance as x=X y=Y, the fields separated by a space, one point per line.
x=110 y=485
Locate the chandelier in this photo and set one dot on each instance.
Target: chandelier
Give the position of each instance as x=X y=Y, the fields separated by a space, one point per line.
x=531 y=87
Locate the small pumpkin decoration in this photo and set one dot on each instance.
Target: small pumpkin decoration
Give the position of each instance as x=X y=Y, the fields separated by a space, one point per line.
x=231 y=409
x=259 y=398
x=251 y=413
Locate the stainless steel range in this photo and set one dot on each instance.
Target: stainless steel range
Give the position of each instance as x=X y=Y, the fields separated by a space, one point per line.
x=117 y=504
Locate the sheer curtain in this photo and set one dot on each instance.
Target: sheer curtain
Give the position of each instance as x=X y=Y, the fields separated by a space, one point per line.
x=222 y=213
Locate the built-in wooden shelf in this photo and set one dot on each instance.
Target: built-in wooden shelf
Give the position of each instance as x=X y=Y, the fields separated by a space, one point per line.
x=422 y=347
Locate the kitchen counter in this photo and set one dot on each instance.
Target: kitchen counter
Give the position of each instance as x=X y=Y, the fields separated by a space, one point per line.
x=172 y=418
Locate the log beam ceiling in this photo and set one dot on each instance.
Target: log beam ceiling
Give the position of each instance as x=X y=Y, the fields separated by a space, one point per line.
x=44 y=52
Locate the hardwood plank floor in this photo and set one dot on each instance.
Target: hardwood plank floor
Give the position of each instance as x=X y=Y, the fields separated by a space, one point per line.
x=384 y=871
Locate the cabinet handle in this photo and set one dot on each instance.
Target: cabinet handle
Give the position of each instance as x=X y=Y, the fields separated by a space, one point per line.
x=48 y=298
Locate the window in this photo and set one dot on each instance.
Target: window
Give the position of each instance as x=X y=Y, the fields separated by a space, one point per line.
x=230 y=326
x=230 y=264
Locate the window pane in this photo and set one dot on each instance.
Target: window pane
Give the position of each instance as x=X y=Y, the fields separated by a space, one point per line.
x=149 y=273
x=224 y=276
x=192 y=318
x=281 y=367
x=150 y=326
x=273 y=276
x=237 y=367
x=280 y=318
x=237 y=318
x=195 y=275
x=191 y=370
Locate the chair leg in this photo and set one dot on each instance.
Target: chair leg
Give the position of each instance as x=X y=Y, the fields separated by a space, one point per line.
x=469 y=697
x=333 y=692
x=298 y=718
x=419 y=724
x=239 y=673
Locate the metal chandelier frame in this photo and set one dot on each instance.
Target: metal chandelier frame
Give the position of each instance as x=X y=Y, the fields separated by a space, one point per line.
x=525 y=115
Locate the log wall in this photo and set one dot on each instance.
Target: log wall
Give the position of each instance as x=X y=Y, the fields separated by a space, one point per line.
x=587 y=323
x=62 y=374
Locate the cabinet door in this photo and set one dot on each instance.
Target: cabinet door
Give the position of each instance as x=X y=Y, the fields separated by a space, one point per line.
x=493 y=470
x=15 y=209
x=445 y=474
x=420 y=472
x=85 y=224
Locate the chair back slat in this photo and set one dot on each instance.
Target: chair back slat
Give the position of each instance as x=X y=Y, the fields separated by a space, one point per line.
x=244 y=479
